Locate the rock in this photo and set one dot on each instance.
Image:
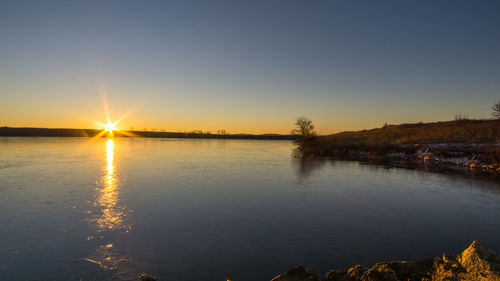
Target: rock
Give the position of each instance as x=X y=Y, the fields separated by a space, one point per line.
x=480 y=263
x=298 y=273
x=147 y=277
x=337 y=275
x=356 y=272
x=446 y=268
x=380 y=272
x=476 y=263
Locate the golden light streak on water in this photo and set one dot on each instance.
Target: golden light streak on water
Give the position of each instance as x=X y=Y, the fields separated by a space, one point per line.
x=110 y=162
x=111 y=216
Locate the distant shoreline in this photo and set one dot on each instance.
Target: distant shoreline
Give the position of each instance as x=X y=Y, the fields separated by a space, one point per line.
x=63 y=132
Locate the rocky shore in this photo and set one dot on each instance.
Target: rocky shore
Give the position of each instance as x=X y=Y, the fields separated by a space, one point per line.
x=473 y=157
x=476 y=263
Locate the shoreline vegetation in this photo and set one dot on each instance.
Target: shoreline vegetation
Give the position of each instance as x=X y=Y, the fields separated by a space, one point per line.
x=63 y=132
x=471 y=144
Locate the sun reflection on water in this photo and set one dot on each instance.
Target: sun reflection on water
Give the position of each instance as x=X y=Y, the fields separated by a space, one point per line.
x=109 y=160
x=110 y=218
x=112 y=214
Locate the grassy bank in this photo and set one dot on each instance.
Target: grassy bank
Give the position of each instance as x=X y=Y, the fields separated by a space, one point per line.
x=464 y=142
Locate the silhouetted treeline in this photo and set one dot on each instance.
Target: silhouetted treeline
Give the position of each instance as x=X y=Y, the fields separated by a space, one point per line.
x=211 y=136
x=46 y=132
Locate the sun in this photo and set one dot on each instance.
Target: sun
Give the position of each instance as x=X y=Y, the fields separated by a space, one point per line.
x=109 y=127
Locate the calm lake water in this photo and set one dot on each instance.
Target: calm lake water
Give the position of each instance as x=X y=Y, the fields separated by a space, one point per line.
x=243 y=210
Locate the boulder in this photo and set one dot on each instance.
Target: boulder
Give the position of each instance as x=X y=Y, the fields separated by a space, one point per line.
x=147 y=277
x=299 y=273
x=480 y=263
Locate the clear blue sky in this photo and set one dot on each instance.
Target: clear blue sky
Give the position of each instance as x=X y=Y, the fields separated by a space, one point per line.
x=247 y=66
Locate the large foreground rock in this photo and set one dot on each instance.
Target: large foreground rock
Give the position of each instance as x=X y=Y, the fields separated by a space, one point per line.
x=476 y=263
x=298 y=273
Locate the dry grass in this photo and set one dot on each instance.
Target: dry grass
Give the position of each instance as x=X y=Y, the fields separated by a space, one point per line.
x=405 y=138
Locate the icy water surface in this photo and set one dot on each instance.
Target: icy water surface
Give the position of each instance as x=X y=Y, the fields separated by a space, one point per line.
x=243 y=210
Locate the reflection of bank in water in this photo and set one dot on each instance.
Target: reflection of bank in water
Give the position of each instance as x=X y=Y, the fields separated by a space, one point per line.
x=305 y=168
x=110 y=219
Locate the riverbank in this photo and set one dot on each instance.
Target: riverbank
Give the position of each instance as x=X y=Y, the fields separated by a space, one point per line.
x=471 y=144
x=477 y=262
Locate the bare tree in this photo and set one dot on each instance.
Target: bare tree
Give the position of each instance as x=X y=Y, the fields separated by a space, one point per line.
x=304 y=127
x=496 y=110
x=461 y=117
x=222 y=132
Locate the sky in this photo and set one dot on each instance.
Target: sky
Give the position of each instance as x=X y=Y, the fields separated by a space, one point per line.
x=247 y=66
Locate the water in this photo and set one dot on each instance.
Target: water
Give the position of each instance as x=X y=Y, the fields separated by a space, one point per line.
x=71 y=209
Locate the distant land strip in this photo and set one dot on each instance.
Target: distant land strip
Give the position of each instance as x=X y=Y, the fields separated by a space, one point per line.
x=51 y=132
